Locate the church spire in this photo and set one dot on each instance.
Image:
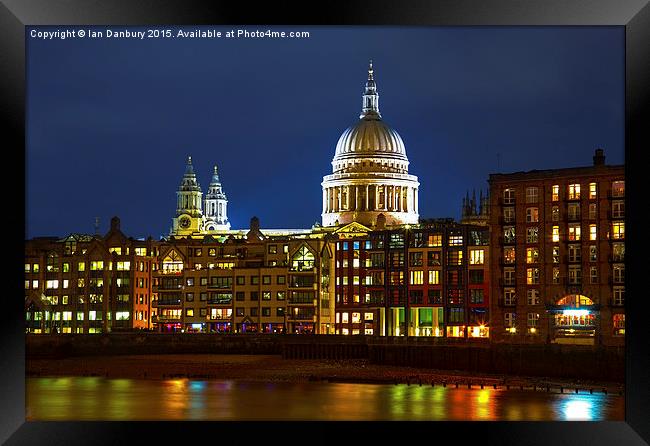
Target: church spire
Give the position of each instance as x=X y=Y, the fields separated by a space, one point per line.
x=370 y=97
x=189 y=169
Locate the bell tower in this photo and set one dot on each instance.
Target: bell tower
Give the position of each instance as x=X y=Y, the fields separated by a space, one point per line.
x=189 y=213
x=216 y=217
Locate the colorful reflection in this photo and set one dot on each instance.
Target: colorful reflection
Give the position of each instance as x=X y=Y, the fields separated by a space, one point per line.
x=83 y=398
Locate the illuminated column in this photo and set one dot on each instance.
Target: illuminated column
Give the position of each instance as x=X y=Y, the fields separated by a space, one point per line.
x=367 y=197
x=356 y=198
x=376 y=196
x=406 y=199
x=416 y=199
x=324 y=200
x=338 y=198
x=398 y=198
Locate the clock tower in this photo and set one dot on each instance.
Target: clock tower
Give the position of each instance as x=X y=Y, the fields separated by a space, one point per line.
x=189 y=214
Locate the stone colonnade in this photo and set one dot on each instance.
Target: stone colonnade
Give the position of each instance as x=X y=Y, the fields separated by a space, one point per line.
x=370 y=197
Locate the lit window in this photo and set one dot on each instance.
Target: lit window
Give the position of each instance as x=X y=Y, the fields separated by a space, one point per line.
x=417 y=277
x=66 y=267
x=189 y=312
x=121 y=315
x=26 y=284
x=618 y=252
x=368 y=316
x=556 y=254
x=532 y=276
x=34 y=284
x=455 y=240
x=434 y=277
x=51 y=284
x=532 y=235
x=556 y=274
x=476 y=256
x=532 y=215
x=356 y=318
x=434 y=240
x=509 y=254
x=618 y=321
x=96 y=265
x=508 y=196
x=555 y=193
x=344 y=318
x=555 y=234
x=618 y=189
x=509 y=320
x=81 y=266
x=592 y=232
x=574 y=191
x=618 y=230
x=123 y=266
x=592 y=191
x=532 y=255
x=574 y=232
x=508 y=234
x=593 y=274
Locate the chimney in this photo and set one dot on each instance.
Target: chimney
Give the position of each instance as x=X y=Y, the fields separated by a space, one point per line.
x=381 y=222
x=599 y=158
x=255 y=224
x=115 y=224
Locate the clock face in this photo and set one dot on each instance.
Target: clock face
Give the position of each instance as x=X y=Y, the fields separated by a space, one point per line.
x=184 y=222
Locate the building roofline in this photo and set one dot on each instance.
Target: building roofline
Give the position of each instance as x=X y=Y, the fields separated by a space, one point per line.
x=547 y=173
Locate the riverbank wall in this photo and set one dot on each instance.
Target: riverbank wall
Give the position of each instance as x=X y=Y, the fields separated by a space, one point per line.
x=562 y=361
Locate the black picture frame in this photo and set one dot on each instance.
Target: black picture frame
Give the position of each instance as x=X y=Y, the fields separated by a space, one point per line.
x=634 y=15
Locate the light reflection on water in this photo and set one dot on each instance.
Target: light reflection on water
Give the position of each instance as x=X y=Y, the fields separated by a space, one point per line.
x=96 y=398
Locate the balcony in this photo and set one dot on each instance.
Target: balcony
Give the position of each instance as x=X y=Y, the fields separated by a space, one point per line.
x=215 y=301
x=168 y=302
x=303 y=301
x=165 y=318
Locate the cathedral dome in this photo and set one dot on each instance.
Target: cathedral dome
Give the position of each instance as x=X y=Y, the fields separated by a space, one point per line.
x=370 y=137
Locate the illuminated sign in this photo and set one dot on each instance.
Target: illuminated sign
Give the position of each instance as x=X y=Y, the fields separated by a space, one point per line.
x=575 y=312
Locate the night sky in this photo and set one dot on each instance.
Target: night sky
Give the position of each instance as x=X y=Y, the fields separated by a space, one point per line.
x=110 y=122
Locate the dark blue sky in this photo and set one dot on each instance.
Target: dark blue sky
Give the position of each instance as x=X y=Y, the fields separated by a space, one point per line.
x=110 y=122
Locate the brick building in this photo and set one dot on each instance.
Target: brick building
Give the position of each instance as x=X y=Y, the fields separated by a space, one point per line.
x=558 y=247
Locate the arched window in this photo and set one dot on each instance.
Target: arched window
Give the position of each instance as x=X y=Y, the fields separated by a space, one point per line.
x=302 y=260
x=575 y=300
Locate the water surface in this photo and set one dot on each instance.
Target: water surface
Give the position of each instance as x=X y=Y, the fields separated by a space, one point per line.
x=97 y=398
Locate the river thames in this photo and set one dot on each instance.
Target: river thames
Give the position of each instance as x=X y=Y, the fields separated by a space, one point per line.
x=65 y=398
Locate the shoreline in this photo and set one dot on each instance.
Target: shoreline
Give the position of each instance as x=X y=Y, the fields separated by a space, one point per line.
x=272 y=368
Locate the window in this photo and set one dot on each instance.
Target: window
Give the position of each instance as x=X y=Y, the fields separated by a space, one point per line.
x=533 y=296
x=66 y=267
x=509 y=254
x=454 y=257
x=434 y=277
x=303 y=259
x=203 y=281
x=455 y=240
x=52 y=284
x=556 y=274
x=281 y=295
x=476 y=256
x=417 y=277
x=618 y=209
x=532 y=194
x=533 y=320
x=212 y=252
x=555 y=192
x=96 y=265
x=574 y=191
x=189 y=312
x=532 y=215
x=619 y=273
x=509 y=276
x=189 y=281
x=574 y=253
x=476 y=276
x=618 y=296
x=508 y=234
x=253 y=311
x=593 y=211
x=476 y=296
x=618 y=252
x=239 y=295
x=593 y=274
x=266 y=280
x=618 y=189
x=35 y=267
x=415 y=259
x=508 y=215
x=433 y=258
x=509 y=196
x=592 y=232
x=556 y=254
x=273 y=249
x=121 y=316
x=189 y=297
x=618 y=322
x=434 y=240
x=345 y=318
x=509 y=320
x=280 y=311
x=123 y=266
x=532 y=235
x=555 y=234
x=255 y=280
x=555 y=213
x=575 y=274
x=574 y=232
x=593 y=253
x=532 y=255
x=239 y=311
x=532 y=276
x=266 y=311
x=266 y=295
x=618 y=230
x=202 y=312
x=573 y=211
x=592 y=191
x=241 y=280
x=255 y=296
